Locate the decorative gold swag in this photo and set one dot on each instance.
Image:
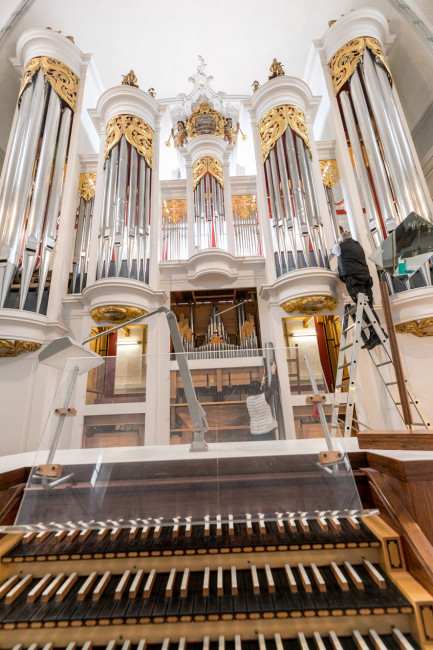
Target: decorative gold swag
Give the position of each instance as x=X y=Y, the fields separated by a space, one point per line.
x=60 y=77
x=137 y=132
x=345 y=61
x=207 y=164
x=276 y=121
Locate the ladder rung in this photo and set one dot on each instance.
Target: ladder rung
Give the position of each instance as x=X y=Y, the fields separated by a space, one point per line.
x=345 y=365
x=349 y=327
x=390 y=383
x=345 y=347
x=346 y=382
x=384 y=363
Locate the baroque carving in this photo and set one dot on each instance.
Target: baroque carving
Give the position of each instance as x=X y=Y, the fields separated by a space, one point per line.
x=205 y=120
x=421 y=328
x=16 y=347
x=245 y=205
x=207 y=164
x=137 y=132
x=329 y=170
x=60 y=77
x=276 y=121
x=344 y=62
x=276 y=69
x=130 y=79
x=86 y=186
x=310 y=305
x=116 y=313
x=174 y=210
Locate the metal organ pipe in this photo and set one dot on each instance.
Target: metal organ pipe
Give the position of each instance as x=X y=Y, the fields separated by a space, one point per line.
x=297 y=191
x=104 y=228
x=109 y=208
x=120 y=204
x=279 y=224
x=289 y=221
x=312 y=214
x=275 y=232
x=146 y=237
x=378 y=173
x=132 y=209
x=78 y=242
x=363 y=179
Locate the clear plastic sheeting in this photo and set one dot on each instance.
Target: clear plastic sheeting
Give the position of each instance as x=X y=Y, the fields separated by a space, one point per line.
x=112 y=462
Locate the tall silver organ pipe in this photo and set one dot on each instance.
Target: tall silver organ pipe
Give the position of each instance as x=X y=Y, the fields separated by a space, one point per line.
x=32 y=189
x=124 y=231
x=210 y=226
x=82 y=242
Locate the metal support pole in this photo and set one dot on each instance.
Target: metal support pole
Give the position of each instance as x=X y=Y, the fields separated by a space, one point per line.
x=319 y=405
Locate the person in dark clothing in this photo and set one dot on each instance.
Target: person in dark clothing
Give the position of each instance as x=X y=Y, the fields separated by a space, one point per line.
x=353 y=271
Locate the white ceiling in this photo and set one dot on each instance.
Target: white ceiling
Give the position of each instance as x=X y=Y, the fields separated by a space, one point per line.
x=238 y=40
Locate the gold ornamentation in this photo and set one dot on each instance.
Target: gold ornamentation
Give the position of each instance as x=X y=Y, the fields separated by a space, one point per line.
x=130 y=79
x=86 y=186
x=174 y=210
x=231 y=133
x=276 y=69
x=137 y=132
x=205 y=120
x=60 y=77
x=344 y=62
x=421 y=328
x=310 y=305
x=116 y=313
x=152 y=92
x=207 y=164
x=180 y=138
x=14 y=348
x=255 y=86
x=245 y=205
x=276 y=121
x=329 y=170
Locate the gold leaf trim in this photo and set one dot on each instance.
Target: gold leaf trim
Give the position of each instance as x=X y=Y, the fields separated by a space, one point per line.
x=174 y=210
x=137 y=132
x=16 y=347
x=310 y=304
x=207 y=164
x=205 y=109
x=329 y=170
x=344 y=62
x=60 y=77
x=245 y=205
x=86 y=186
x=276 y=121
x=116 y=313
x=421 y=328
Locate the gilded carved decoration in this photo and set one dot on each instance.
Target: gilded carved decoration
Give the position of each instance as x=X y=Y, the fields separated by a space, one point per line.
x=421 y=328
x=207 y=164
x=116 y=313
x=130 y=79
x=329 y=170
x=60 y=77
x=245 y=205
x=86 y=186
x=276 y=121
x=137 y=132
x=205 y=120
x=276 y=70
x=16 y=347
x=174 y=210
x=344 y=62
x=310 y=304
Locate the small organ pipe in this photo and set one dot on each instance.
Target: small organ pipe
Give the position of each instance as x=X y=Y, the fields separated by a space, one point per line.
x=108 y=230
x=120 y=204
x=132 y=208
x=140 y=211
x=146 y=220
x=297 y=192
x=86 y=241
x=78 y=242
x=103 y=213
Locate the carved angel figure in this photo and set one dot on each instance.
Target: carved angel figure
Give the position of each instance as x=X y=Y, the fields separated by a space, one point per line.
x=130 y=79
x=230 y=133
x=276 y=69
x=181 y=137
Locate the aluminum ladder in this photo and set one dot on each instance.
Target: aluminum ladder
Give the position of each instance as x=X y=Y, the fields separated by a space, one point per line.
x=351 y=339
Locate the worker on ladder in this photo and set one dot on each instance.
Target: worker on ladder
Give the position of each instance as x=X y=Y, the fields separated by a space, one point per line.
x=353 y=271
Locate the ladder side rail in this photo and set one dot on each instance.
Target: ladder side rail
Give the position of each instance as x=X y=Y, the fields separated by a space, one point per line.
x=343 y=353
x=354 y=365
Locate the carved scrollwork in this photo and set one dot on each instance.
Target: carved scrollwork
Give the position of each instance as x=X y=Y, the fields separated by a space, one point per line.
x=174 y=210
x=60 y=77
x=116 y=313
x=16 y=347
x=276 y=121
x=197 y=124
x=344 y=62
x=330 y=174
x=137 y=132
x=421 y=328
x=86 y=186
x=310 y=305
x=245 y=205
x=207 y=164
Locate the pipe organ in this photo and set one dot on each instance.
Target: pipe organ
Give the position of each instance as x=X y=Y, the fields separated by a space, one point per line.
x=297 y=226
x=208 y=183
x=86 y=191
x=246 y=225
x=33 y=181
x=124 y=239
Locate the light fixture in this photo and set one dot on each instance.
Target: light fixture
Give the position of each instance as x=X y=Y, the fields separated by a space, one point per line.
x=301 y=335
x=127 y=342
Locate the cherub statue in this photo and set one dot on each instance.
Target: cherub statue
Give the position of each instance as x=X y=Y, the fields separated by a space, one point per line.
x=181 y=137
x=230 y=134
x=276 y=69
x=130 y=79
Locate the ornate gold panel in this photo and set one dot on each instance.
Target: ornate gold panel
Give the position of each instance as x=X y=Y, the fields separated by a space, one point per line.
x=86 y=186
x=137 y=132
x=329 y=170
x=344 y=62
x=245 y=205
x=16 y=347
x=174 y=210
x=195 y=125
x=423 y=327
x=60 y=77
x=276 y=121
x=116 y=313
x=207 y=164
x=310 y=305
